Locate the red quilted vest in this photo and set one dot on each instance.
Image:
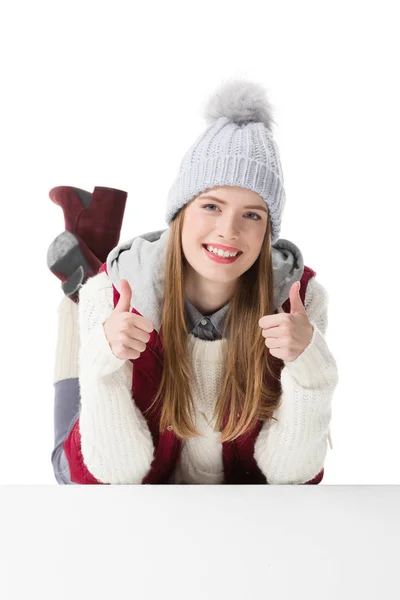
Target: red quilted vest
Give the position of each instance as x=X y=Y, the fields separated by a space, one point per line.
x=240 y=466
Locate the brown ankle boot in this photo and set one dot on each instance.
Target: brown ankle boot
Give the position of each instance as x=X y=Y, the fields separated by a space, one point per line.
x=96 y=218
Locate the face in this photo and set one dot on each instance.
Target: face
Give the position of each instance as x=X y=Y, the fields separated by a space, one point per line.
x=231 y=217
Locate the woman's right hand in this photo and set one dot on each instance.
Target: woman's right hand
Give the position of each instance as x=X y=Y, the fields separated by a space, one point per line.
x=127 y=334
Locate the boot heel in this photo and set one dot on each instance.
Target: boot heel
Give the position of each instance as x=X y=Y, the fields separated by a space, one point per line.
x=72 y=263
x=73 y=284
x=65 y=255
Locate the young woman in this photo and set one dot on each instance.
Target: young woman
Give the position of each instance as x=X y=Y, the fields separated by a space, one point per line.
x=195 y=358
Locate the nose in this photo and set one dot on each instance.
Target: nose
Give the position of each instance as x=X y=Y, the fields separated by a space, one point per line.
x=228 y=226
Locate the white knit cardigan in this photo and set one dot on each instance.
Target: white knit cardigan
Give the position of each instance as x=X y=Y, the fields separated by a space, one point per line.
x=117 y=445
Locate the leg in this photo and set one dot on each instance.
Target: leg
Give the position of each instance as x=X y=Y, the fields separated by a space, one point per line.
x=66 y=385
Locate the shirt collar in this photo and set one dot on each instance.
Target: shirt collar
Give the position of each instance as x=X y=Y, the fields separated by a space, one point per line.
x=194 y=317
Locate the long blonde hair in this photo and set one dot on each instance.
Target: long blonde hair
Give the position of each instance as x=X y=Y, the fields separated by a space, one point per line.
x=245 y=387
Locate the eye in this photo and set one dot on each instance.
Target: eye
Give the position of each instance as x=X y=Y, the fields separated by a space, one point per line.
x=249 y=213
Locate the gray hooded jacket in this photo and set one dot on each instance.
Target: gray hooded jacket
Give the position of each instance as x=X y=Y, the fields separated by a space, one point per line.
x=141 y=261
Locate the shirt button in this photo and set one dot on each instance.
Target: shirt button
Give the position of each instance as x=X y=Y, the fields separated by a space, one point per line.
x=204 y=321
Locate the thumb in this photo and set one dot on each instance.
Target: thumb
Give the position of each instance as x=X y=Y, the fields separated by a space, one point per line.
x=124 y=302
x=296 y=304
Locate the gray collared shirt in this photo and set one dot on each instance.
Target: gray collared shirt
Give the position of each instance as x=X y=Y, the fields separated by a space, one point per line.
x=205 y=327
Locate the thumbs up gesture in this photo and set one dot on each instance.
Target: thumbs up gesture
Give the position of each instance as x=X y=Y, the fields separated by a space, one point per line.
x=127 y=334
x=287 y=335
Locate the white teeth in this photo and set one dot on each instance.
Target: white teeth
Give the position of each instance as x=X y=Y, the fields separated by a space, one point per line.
x=221 y=253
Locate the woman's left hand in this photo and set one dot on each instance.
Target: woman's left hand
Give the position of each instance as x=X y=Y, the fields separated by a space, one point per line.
x=287 y=335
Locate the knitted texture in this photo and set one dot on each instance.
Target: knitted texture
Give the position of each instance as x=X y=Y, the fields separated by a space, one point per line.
x=201 y=457
x=237 y=149
x=67 y=348
x=116 y=442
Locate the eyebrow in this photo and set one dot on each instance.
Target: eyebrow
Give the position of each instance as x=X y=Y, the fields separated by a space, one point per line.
x=210 y=197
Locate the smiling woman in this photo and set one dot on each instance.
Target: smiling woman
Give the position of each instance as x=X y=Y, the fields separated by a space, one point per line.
x=230 y=228
x=208 y=368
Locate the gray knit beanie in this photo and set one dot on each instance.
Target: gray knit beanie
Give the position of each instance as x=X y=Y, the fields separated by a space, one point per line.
x=236 y=149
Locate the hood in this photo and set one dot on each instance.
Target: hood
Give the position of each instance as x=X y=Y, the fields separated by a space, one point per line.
x=141 y=261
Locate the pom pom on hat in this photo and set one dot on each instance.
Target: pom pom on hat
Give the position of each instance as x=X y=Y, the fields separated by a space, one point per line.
x=241 y=102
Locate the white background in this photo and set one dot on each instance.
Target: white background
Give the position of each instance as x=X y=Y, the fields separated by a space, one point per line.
x=111 y=94
x=200 y=542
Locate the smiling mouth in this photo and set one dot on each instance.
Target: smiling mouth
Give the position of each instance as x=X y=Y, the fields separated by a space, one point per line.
x=227 y=260
x=238 y=252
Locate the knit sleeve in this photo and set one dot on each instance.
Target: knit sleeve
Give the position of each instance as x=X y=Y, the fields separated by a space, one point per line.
x=292 y=449
x=116 y=443
x=94 y=307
